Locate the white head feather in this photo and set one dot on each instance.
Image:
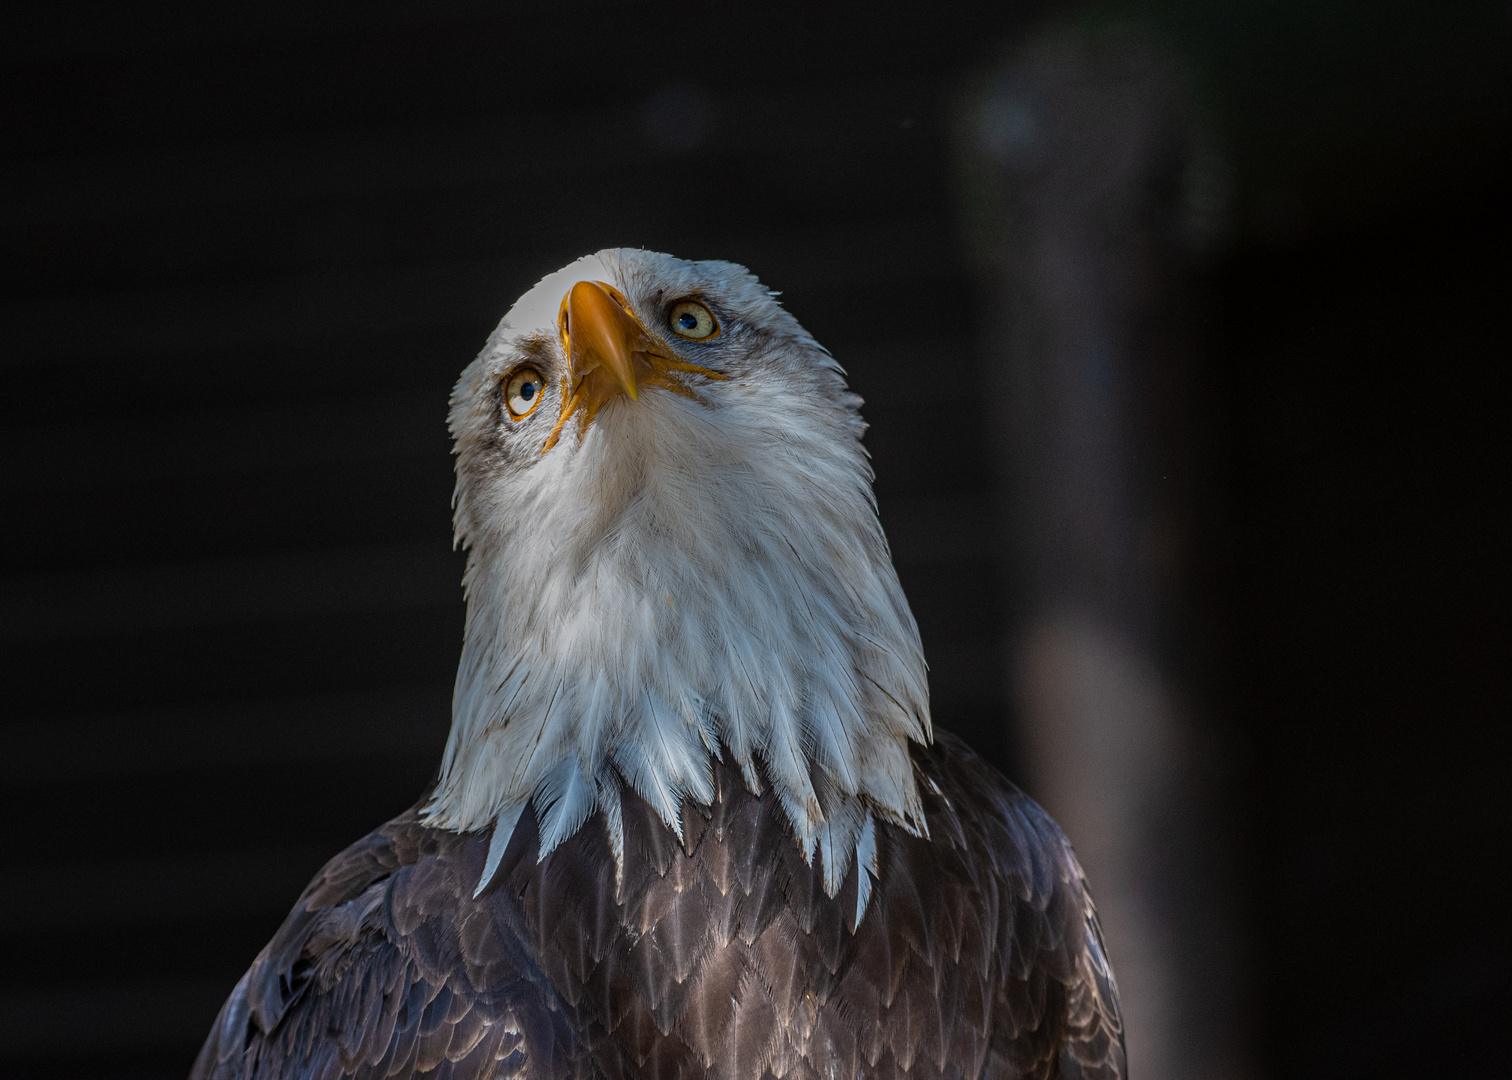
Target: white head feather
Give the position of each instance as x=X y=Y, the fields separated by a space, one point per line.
x=679 y=578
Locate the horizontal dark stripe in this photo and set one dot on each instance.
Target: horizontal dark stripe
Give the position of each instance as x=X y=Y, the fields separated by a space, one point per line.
x=317 y=307
x=501 y=151
x=101 y=1016
x=187 y=665
x=231 y=375
x=215 y=442
x=72 y=28
x=210 y=943
x=118 y=819
x=397 y=722
x=129 y=892
x=231 y=591
x=172 y=520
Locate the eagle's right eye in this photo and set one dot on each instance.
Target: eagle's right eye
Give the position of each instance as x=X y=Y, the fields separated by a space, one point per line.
x=692 y=320
x=523 y=392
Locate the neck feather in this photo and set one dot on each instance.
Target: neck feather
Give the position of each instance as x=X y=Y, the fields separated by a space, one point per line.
x=640 y=622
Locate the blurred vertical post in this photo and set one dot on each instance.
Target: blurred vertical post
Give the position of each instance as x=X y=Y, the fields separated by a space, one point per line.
x=1088 y=192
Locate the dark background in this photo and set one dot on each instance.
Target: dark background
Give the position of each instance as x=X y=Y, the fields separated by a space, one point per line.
x=249 y=247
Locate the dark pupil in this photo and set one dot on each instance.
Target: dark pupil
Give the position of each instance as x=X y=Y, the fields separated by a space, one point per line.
x=527 y=390
x=687 y=320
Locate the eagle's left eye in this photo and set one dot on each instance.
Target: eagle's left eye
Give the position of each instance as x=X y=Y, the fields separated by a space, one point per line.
x=690 y=319
x=523 y=392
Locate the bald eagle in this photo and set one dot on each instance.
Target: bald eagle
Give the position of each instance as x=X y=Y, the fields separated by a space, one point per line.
x=691 y=819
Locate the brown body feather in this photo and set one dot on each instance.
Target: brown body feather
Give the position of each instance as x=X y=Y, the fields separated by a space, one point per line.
x=718 y=956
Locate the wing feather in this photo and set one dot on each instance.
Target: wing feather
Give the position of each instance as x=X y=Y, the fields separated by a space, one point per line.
x=343 y=990
x=971 y=951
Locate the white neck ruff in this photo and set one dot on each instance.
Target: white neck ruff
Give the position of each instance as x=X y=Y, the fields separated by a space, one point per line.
x=683 y=582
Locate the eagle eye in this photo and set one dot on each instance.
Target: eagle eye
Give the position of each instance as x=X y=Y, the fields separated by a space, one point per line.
x=523 y=392
x=690 y=319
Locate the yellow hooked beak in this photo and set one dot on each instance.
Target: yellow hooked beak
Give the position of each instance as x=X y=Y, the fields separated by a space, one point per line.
x=609 y=352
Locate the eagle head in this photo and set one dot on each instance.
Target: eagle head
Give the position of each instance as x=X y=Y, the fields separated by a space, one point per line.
x=673 y=555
